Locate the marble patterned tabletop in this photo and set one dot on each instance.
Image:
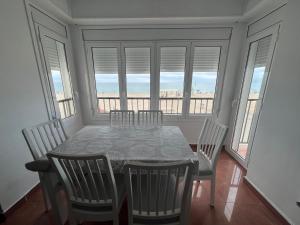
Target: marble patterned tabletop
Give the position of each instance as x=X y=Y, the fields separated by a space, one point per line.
x=149 y=144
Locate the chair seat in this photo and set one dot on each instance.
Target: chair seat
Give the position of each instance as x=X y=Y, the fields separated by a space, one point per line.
x=204 y=168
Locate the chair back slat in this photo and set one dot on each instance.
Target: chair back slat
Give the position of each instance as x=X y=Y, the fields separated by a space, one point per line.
x=158 y=192
x=121 y=118
x=44 y=137
x=88 y=180
x=150 y=117
x=211 y=140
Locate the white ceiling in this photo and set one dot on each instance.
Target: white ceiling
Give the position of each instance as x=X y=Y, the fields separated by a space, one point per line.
x=111 y=12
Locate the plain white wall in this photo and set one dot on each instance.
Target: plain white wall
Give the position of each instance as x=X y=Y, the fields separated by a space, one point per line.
x=21 y=102
x=274 y=163
x=155 y=8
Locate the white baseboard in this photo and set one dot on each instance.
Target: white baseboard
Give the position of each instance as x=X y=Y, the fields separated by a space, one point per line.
x=269 y=201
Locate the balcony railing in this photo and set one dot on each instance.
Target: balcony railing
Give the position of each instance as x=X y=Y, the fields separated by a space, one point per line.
x=66 y=107
x=250 y=109
x=169 y=105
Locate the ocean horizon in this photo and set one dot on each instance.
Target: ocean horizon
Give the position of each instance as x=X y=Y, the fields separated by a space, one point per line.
x=203 y=82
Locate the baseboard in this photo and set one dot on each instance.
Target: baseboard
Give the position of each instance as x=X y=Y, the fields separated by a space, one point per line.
x=270 y=204
x=19 y=202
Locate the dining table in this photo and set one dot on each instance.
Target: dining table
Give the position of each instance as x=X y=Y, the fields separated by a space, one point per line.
x=151 y=144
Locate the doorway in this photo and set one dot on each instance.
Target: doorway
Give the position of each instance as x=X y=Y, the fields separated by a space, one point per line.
x=259 y=58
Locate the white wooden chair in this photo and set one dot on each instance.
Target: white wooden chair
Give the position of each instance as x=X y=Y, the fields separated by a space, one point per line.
x=93 y=192
x=41 y=139
x=159 y=193
x=150 y=117
x=121 y=118
x=208 y=148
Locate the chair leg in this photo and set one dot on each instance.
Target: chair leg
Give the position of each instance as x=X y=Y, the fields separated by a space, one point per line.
x=212 y=191
x=53 y=199
x=45 y=195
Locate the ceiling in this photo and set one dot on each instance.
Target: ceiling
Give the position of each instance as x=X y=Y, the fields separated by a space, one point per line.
x=118 y=12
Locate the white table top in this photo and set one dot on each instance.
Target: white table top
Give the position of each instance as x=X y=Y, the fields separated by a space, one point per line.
x=149 y=144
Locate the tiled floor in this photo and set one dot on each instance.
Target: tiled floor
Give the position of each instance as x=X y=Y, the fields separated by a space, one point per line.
x=236 y=203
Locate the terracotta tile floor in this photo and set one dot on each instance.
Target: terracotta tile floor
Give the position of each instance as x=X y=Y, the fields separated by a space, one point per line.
x=235 y=204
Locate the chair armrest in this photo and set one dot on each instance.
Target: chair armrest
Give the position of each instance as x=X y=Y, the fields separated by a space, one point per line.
x=40 y=165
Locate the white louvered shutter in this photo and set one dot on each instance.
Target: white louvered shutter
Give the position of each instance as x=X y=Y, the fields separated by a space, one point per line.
x=172 y=59
x=262 y=52
x=105 y=60
x=206 y=59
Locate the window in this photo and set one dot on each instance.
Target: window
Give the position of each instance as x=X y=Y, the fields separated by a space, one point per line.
x=204 y=79
x=181 y=78
x=106 y=79
x=61 y=86
x=172 y=72
x=138 y=78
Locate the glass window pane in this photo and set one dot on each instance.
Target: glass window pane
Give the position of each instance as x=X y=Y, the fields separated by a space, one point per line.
x=172 y=71
x=56 y=57
x=205 y=73
x=107 y=78
x=138 y=78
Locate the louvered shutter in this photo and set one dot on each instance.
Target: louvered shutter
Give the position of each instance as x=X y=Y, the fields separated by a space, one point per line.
x=137 y=60
x=52 y=54
x=172 y=59
x=262 y=52
x=105 y=60
x=206 y=59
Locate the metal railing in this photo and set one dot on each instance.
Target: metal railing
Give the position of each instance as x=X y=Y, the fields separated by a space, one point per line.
x=201 y=105
x=169 y=105
x=250 y=109
x=66 y=107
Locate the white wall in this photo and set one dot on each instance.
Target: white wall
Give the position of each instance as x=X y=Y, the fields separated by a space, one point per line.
x=274 y=164
x=21 y=102
x=154 y=8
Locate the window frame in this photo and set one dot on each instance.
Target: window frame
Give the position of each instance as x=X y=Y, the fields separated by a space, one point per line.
x=155 y=46
x=159 y=45
x=223 y=44
x=138 y=44
x=91 y=72
x=54 y=107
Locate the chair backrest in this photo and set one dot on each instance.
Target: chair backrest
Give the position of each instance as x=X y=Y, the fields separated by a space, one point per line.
x=88 y=180
x=158 y=193
x=150 y=117
x=211 y=140
x=44 y=137
x=122 y=118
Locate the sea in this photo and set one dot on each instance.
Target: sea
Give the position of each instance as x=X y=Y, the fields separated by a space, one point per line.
x=203 y=82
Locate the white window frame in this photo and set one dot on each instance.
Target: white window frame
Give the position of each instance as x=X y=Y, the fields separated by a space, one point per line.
x=91 y=71
x=139 y=44
x=223 y=44
x=155 y=73
x=42 y=33
x=185 y=44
